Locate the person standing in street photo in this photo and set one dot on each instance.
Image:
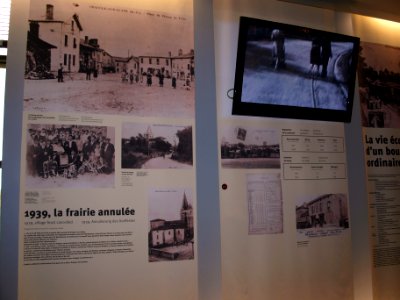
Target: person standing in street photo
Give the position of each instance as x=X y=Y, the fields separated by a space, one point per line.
x=60 y=75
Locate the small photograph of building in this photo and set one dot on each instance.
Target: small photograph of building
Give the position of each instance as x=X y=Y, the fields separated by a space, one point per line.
x=328 y=211
x=171 y=225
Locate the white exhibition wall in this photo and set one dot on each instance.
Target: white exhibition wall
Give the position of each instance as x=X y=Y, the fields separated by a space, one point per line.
x=244 y=279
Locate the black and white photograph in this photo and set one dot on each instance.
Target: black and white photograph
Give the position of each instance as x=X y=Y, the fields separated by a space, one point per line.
x=379 y=85
x=322 y=215
x=70 y=156
x=171 y=225
x=102 y=59
x=281 y=67
x=156 y=146
x=247 y=148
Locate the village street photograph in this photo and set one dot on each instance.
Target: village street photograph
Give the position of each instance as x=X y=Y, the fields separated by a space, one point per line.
x=156 y=146
x=250 y=148
x=84 y=58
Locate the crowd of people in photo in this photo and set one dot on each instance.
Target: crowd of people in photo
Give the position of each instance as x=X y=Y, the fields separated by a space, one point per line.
x=69 y=151
x=147 y=77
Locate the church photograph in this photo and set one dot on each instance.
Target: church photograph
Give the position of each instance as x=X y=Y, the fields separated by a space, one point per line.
x=171 y=229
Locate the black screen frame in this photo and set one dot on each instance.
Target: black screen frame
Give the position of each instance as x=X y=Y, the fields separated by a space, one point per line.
x=287 y=111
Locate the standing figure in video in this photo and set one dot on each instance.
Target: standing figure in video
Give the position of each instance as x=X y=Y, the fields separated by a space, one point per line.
x=326 y=54
x=279 y=48
x=315 y=55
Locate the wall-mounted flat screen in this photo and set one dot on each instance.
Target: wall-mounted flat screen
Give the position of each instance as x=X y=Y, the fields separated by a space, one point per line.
x=289 y=71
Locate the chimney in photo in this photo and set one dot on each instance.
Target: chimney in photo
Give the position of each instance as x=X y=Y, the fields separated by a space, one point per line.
x=49 y=12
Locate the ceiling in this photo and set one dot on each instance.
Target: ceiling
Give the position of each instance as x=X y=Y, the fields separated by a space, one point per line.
x=383 y=9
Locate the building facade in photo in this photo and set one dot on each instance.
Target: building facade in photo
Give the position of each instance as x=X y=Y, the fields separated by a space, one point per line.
x=64 y=35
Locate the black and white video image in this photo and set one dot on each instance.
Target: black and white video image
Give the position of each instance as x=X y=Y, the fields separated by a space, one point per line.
x=281 y=68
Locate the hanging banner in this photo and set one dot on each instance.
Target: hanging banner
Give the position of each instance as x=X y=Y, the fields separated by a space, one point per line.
x=379 y=88
x=107 y=203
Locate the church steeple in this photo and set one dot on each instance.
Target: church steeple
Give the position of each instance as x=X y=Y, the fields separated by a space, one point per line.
x=149 y=133
x=187 y=216
x=185 y=203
